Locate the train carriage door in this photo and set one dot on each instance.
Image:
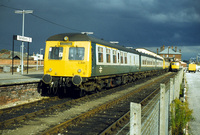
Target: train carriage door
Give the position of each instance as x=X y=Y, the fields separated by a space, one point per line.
x=140 y=59
x=156 y=63
x=93 y=55
x=118 y=57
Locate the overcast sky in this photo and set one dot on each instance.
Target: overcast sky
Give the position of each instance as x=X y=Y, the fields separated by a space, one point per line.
x=136 y=23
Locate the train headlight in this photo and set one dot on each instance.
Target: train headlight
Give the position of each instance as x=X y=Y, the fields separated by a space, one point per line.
x=66 y=38
x=79 y=70
x=50 y=69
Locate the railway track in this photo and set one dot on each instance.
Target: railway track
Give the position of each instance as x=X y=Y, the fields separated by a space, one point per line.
x=71 y=117
x=120 y=125
x=16 y=108
x=15 y=114
x=113 y=113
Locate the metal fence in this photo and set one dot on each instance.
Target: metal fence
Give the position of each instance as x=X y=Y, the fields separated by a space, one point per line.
x=154 y=118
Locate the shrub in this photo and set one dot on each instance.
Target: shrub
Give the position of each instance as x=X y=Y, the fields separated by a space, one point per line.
x=180 y=116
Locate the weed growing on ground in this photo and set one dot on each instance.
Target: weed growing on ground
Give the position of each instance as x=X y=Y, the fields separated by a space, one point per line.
x=180 y=116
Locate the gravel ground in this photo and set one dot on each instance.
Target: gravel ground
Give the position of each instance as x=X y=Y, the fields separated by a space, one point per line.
x=39 y=124
x=193 y=81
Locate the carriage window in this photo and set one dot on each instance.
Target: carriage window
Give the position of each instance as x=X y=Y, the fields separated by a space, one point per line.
x=121 y=54
x=125 y=56
x=148 y=62
x=55 y=53
x=118 y=57
x=175 y=64
x=114 y=57
x=76 y=53
x=100 y=54
x=108 y=55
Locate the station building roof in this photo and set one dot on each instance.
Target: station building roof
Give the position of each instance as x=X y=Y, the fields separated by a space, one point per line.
x=170 y=51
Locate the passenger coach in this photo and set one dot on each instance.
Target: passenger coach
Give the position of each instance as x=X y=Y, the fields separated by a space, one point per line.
x=78 y=60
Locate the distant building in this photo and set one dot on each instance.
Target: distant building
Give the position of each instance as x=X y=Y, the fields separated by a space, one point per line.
x=17 y=55
x=37 y=56
x=170 y=53
x=183 y=64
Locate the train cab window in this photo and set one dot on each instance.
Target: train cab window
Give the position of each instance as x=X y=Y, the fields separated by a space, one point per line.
x=108 y=55
x=114 y=56
x=100 y=54
x=76 y=53
x=55 y=53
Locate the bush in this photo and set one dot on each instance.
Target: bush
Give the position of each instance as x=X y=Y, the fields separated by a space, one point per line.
x=180 y=116
x=3 y=51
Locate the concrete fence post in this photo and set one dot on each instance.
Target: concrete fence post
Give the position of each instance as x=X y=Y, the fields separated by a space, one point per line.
x=179 y=82
x=171 y=88
x=135 y=119
x=176 y=86
x=162 y=109
x=172 y=97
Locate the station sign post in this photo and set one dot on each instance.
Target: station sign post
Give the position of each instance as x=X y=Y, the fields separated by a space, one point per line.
x=23 y=39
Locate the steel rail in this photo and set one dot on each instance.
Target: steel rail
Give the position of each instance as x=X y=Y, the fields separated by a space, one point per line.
x=8 y=122
x=59 y=128
x=26 y=105
x=126 y=116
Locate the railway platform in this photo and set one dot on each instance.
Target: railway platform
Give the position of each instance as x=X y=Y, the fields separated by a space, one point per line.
x=194 y=100
x=17 y=88
x=18 y=78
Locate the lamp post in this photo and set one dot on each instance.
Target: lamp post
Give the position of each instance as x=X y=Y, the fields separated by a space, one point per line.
x=37 y=61
x=23 y=12
x=40 y=55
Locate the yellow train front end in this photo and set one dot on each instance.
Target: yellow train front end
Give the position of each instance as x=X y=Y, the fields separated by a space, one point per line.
x=68 y=60
x=175 y=66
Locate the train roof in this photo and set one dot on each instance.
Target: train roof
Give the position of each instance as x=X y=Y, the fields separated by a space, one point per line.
x=85 y=37
x=146 y=51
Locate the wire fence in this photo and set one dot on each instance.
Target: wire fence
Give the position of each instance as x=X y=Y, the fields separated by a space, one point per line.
x=154 y=118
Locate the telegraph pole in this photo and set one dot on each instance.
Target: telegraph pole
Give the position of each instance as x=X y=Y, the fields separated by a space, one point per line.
x=23 y=12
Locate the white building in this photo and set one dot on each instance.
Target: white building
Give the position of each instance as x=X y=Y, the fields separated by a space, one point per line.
x=38 y=57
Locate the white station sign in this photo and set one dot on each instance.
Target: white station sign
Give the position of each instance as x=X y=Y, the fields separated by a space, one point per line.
x=25 y=39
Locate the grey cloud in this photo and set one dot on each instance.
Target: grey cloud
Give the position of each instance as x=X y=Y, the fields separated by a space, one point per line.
x=131 y=22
